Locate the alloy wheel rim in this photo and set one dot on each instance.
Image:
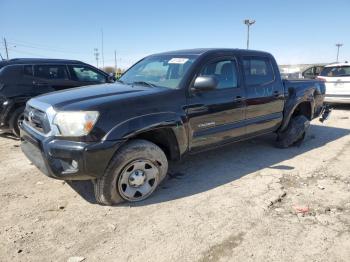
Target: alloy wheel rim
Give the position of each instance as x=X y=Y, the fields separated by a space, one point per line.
x=20 y=120
x=138 y=180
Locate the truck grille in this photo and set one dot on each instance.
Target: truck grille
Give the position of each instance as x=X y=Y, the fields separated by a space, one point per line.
x=37 y=119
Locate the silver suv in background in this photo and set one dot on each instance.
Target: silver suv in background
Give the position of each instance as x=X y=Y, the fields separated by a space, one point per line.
x=337 y=80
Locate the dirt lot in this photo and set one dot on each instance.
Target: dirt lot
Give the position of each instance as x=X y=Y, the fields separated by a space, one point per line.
x=245 y=202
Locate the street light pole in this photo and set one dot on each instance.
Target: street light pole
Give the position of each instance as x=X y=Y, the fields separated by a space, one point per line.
x=338 y=47
x=248 y=23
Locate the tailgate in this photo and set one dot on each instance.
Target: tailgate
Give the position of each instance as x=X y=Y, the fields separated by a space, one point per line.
x=338 y=85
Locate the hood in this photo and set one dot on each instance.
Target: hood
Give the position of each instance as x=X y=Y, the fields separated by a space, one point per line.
x=90 y=96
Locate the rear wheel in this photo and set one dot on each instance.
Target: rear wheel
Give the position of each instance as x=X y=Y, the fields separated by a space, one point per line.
x=133 y=174
x=295 y=132
x=16 y=121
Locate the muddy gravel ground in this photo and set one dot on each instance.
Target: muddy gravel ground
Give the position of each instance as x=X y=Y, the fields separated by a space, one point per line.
x=245 y=202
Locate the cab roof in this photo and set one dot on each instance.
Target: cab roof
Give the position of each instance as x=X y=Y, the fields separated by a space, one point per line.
x=202 y=51
x=338 y=64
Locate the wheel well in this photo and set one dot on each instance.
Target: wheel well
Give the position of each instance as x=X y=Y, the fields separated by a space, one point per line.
x=165 y=139
x=304 y=109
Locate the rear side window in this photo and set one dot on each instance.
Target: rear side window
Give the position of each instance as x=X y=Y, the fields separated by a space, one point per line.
x=28 y=70
x=52 y=72
x=87 y=74
x=257 y=70
x=336 y=71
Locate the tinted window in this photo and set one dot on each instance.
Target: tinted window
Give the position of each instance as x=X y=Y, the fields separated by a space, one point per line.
x=257 y=70
x=11 y=72
x=87 y=74
x=336 y=71
x=28 y=70
x=225 y=71
x=318 y=69
x=54 y=72
x=310 y=71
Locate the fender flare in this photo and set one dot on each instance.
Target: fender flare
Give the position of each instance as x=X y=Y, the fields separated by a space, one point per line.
x=290 y=108
x=143 y=123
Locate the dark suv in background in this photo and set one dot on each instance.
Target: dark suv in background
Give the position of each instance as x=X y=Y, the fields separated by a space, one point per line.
x=24 y=78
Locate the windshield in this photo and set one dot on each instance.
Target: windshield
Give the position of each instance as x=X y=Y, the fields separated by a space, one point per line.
x=336 y=71
x=163 y=70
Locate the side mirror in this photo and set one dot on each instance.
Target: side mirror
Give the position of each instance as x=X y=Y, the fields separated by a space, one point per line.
x=205 y=83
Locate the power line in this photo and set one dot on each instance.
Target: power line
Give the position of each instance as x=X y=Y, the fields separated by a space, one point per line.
x=15 y=50
x=41 y=47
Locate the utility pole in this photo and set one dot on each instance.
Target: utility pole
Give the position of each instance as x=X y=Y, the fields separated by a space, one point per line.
x=96 y=53
x=248 y=23
x=338 y=47
x=115 y=61
x=103 y=56
x=7 y=51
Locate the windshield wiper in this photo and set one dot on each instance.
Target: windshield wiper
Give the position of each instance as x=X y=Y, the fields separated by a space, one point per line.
x=144 y=83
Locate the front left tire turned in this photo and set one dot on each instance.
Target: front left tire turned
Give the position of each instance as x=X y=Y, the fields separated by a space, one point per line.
x=133 y=174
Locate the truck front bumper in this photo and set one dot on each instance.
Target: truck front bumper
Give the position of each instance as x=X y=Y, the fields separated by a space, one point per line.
x=67 y=160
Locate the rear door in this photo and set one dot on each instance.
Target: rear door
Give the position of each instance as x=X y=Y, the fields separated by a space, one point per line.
x=264 y=95
x=86 y=75
x=217 y=116
x=53 y=77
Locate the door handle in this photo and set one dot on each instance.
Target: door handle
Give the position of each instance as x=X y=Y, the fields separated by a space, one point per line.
x=239 y=98
x=40 y=83
x=276 y=93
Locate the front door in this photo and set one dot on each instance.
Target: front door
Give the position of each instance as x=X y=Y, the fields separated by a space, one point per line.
x=216 y=116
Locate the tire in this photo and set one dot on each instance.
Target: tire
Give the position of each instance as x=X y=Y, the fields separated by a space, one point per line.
x=295 y=132
x=133 y=174
x=15 y=121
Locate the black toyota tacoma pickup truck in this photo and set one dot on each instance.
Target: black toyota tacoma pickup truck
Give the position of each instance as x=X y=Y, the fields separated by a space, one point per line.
x=122 y=135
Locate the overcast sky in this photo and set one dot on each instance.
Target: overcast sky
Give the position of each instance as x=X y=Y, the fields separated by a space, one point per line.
x=294 y=31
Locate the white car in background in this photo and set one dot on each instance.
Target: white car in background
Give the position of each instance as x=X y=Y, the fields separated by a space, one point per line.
x=337 y=80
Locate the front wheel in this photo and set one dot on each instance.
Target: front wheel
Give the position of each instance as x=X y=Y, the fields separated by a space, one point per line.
x=16 y=121
x=133 y=174
x=294 y=133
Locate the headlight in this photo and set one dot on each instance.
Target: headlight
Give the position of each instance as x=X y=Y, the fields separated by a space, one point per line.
x=78 y=123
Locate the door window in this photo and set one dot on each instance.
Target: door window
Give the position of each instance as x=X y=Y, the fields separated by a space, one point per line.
x=87 y=74
x=309 y=72
x=28 y=70
x=257 y=71
x=225 y=71
x=51 y=72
